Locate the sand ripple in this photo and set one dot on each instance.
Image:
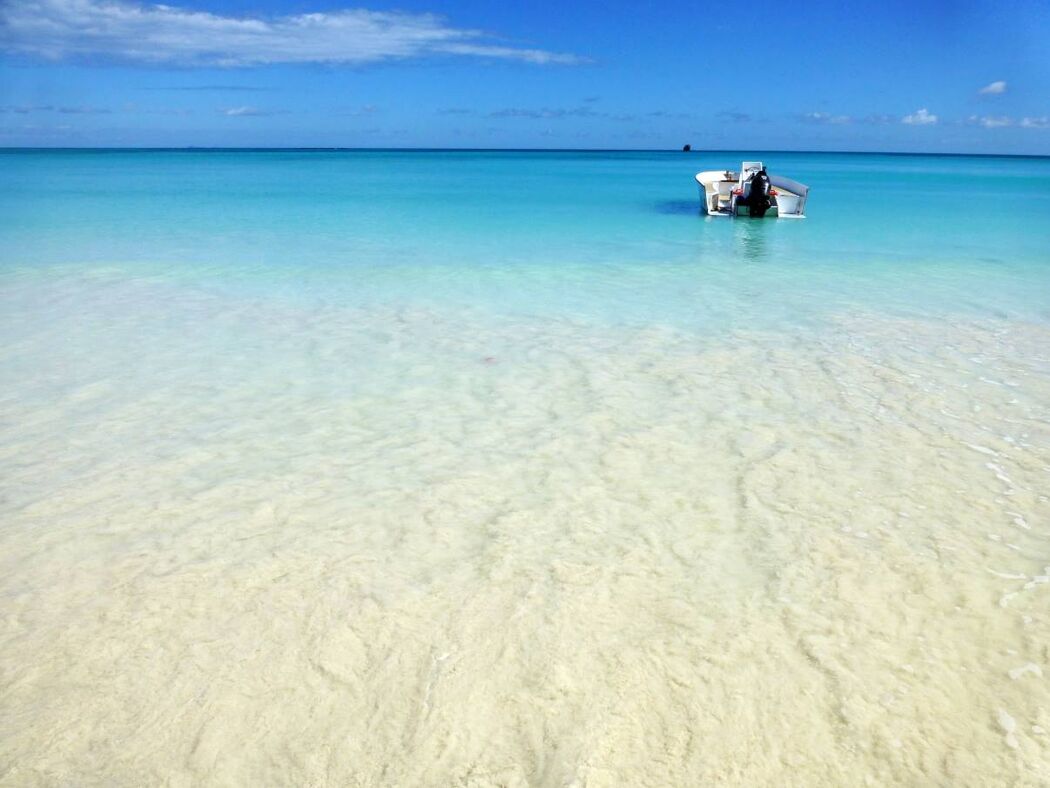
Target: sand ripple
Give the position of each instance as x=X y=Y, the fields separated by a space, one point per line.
x=253 y=543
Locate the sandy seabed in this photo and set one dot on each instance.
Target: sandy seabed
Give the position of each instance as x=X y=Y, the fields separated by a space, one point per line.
x=245 y=542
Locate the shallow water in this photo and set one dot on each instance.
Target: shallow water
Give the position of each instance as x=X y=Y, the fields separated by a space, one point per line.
x=510 y=469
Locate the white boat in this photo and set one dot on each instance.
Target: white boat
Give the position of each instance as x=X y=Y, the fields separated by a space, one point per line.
x=751 y=191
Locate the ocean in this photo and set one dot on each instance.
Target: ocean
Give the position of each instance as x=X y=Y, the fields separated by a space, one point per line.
x=399 y=468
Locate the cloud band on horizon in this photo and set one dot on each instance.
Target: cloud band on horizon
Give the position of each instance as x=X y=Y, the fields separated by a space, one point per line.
x=162 y=34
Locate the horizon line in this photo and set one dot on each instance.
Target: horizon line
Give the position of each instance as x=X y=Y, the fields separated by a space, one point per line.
x=382 y=149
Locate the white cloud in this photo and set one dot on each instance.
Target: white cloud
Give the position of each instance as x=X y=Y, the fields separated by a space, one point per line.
x=920 y=117
x=58 y=29
x=993 y=88
x=1035 y=123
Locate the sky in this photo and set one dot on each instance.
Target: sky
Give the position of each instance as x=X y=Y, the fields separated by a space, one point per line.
x=958 y=76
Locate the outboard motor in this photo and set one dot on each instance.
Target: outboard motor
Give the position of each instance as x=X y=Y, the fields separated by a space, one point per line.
x=758 y=199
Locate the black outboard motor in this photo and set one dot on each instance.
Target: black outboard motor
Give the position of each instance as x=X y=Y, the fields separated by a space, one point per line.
x=759 y=201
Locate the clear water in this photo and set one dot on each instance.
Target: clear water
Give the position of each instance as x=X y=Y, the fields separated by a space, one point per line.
x=404 y=468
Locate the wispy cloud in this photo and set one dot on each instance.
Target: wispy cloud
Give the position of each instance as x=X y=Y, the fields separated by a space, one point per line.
x=116 y=29
x=544 y=113
x=251 y=112
x=83 y=110
x=990 y=122
x=663 y=113
x=878 y=119
x=825 y=118
x=359 y=112
x=736 y=117
x=921 y=117
x=27 y=109
x=556 y=113
x=539 y=56
x=993 y=88
x=1002 y=121
x=875 y=119
x=215 y=88
x=169 y=112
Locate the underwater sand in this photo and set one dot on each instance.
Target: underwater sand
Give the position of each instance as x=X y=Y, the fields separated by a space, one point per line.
x=714 y=520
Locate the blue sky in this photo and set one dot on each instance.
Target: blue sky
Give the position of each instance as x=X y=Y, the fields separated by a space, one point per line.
x=898 y=76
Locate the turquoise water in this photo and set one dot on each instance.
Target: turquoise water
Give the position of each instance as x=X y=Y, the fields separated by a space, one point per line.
x=511 y=468
x=583 y=233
